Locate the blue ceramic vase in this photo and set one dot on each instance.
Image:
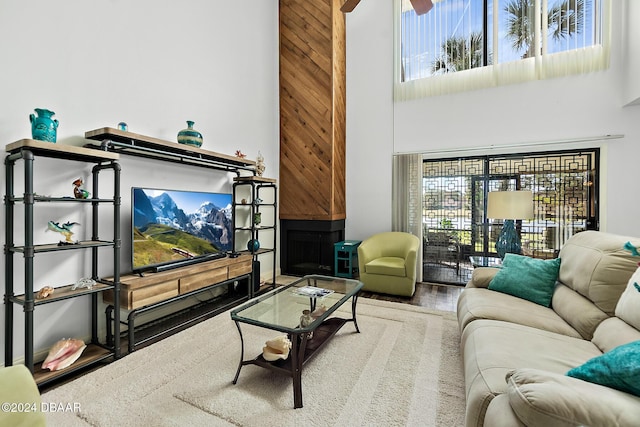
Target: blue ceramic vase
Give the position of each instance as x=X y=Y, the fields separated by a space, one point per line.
x=43 y=126
x=253 y=245
x=190 y=136
x=508 y=241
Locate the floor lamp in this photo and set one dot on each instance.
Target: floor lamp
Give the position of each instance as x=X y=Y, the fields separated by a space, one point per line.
x=510 y=206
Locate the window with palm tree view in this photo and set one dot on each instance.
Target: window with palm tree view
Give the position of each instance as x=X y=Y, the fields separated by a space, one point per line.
x=459 y=35
x=458 y=234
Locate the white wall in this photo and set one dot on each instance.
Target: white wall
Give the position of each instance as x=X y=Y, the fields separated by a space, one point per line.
x=631 y=49
x=369 y=118
x=551 y=110
x=153 y=65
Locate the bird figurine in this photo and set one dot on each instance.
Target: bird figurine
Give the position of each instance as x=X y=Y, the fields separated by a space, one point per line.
x=64 y=229
x=78 y=191
x=240 y=154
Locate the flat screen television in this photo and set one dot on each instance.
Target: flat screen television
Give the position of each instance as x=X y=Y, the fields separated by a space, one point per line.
x=171 y=228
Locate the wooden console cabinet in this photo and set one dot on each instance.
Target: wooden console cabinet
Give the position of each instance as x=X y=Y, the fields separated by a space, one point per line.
x=138 y=291
x=140 y=294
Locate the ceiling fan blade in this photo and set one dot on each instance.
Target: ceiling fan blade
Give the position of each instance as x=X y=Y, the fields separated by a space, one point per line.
x=349 y=5
x=420 y=6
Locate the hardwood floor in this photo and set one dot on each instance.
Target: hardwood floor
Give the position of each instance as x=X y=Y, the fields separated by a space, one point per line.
x=434 y=296
x=429 y=295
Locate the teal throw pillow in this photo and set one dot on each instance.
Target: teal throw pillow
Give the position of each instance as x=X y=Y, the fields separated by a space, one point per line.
x=527 y=278
x=618 y=368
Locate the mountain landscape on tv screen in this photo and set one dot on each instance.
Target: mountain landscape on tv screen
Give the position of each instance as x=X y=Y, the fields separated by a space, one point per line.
x=164 y=231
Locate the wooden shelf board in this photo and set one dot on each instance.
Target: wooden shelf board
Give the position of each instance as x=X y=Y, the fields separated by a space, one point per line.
x=72 y=152
x=254 y=179
x=134 y=140
x=63 y=292
x=55 y=247
x=91 y=355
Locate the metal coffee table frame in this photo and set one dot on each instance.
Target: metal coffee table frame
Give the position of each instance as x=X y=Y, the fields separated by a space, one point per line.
x=303 y=348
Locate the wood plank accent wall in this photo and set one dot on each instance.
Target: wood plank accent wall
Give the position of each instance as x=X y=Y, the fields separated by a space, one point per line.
x=312 y=110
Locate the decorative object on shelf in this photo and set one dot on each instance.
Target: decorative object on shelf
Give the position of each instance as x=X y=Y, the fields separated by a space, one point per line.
x=84 y=282
x=306 y=320
x=257 y=218
x=78 y=191
x=190 y=136
x=43 y=126
x=240 y=154
x=260 y=167
x=253 y=245
x=277 y=348
x=123 y=126
x=243 y=201
x=319 y=311
x=510 y=206
x=64 y=229
x=257 y=201
x=44 y=292
x=63 y=354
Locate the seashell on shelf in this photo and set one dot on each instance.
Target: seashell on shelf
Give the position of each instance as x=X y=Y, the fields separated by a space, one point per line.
x=63 y=354
x=277 y=348
x=44 y=292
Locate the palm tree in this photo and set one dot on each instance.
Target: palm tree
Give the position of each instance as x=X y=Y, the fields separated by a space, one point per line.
x=564 y=19
x=459 y=54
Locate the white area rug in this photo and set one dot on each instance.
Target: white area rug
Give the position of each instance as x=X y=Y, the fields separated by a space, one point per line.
x=404 y=368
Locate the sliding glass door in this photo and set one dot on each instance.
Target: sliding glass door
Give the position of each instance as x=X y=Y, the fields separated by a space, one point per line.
x=565 y=190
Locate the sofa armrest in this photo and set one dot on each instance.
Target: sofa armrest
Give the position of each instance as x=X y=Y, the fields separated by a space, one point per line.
x=481 y=277
x=411 y=261
x=548 y=399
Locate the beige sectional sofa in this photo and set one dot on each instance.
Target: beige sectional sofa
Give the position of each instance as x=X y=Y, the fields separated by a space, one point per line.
x=517 y=353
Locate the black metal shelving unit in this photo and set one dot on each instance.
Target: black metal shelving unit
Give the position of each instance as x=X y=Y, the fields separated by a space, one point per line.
x=27 y=150
x=113 y=140
x=257 y=186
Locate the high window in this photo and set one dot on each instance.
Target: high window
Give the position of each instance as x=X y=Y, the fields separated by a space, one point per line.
x=494 y=42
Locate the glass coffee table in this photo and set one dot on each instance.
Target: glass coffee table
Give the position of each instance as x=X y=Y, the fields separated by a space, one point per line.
x=281 y=310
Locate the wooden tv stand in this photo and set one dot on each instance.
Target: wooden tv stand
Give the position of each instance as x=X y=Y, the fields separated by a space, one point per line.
x=140 y=294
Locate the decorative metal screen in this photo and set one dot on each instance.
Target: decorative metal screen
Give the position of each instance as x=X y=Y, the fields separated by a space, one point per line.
x=565 y=194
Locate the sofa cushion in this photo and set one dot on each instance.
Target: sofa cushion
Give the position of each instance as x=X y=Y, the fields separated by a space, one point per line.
x=618 y=368
x=528 y=278
x=500 y=414
x=596 y=265
x=541 y=398
x=388 y=266
x=492 y=348
x=612 y=333
x=577 y=310
x=480 y=303
x=628 y=307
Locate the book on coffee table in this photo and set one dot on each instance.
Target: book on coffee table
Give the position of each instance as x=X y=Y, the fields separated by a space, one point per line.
x=312 y=291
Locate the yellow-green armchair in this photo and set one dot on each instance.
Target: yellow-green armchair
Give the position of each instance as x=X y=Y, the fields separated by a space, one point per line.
x=20 y=398
x=387 y=263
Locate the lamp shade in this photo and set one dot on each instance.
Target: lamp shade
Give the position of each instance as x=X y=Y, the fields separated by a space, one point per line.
x=510 y=205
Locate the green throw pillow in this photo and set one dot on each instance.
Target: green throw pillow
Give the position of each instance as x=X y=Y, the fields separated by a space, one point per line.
x=528 y=278
x=618 y=368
